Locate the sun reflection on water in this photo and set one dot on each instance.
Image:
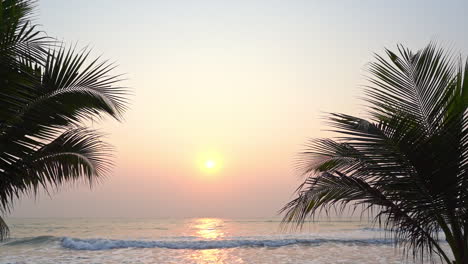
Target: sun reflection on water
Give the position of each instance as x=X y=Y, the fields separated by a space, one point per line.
x=209 y=228
x=208 y=256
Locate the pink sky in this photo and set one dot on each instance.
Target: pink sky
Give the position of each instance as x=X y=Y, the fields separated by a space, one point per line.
x=244 y=83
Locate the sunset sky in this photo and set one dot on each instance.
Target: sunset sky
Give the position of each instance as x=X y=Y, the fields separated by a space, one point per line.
x=239 y=84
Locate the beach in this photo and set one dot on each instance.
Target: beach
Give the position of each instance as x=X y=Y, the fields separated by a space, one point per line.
x=195 y=240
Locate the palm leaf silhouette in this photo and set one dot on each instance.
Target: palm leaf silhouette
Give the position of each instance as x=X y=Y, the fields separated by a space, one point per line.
x=407 y=161
x=47 y=91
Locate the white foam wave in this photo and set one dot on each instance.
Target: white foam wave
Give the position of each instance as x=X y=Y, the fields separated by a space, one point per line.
x=105 y=244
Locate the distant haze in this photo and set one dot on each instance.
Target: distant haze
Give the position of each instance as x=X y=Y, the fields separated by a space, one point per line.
x=245 y=81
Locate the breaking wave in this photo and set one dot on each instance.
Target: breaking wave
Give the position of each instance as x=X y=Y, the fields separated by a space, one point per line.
x=106 y=244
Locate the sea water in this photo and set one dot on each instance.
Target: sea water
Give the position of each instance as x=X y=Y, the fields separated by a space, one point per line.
x=196 y=240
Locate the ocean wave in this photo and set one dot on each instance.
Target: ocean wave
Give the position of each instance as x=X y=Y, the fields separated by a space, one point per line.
x=29 y=240
x=106 y=244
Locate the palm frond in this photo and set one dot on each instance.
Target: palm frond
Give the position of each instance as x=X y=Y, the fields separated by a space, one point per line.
x=327 y=191
x=70 y=91
x=410 y=160
x=413 y=83
x=47 y=91
x=77 y=154
x=19 y=38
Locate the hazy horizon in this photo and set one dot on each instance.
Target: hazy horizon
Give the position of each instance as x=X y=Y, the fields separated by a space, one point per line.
x=244 y=83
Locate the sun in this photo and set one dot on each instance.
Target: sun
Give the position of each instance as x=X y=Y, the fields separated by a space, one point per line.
x=210 y=164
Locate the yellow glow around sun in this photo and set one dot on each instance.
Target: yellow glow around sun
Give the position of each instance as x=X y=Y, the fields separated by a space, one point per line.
x=209 y=162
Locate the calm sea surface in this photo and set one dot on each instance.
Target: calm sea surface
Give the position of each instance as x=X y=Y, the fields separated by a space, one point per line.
x=196 y=240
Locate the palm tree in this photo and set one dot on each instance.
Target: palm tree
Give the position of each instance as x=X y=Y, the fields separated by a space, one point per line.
x=407 y=161
x=46 y=92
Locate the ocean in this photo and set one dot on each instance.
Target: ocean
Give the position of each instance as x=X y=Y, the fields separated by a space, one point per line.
x=195 y=240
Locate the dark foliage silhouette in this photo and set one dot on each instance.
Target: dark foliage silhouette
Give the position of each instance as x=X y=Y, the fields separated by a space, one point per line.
x=47 y=92
x=407 y=162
